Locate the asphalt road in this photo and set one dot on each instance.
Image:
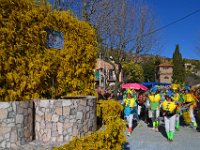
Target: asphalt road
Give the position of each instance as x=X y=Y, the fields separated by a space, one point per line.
x=144 y=138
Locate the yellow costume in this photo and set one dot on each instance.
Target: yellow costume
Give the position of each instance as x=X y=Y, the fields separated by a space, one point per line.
x=169 y=106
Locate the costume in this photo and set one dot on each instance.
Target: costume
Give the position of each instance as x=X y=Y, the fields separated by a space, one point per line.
x=154 y=112
x=169 y=113
x=178 y=100
x=130 y=103
x=190 y=103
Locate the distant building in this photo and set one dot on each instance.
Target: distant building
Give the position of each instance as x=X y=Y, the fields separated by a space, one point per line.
x=105 y=74
x=165 y=72
x=189 y=67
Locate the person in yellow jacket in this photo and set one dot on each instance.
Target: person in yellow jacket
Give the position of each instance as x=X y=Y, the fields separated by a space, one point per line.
x=178 y=100
x=130 y=105
x=154 y=111
x=169 y=112
x=190 y=102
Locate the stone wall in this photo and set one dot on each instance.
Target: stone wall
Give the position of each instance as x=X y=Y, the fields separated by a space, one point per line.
x=16 y=120
x=60 y=120
x=46 y=121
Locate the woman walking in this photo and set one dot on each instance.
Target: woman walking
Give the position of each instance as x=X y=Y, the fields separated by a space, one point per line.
x=169 y=112
x=130 y=103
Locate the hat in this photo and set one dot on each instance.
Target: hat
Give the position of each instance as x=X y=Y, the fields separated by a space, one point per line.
x=186 y=88
x=169 y=93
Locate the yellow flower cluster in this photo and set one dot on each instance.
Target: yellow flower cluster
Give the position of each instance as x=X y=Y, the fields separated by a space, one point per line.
x=28 y=67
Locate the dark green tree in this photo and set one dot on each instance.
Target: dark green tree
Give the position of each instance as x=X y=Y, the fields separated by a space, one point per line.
x=149 y=70
x=179 y=68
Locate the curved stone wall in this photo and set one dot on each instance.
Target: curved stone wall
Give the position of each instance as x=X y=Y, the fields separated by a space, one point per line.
x=16 y=123
x=60 y=120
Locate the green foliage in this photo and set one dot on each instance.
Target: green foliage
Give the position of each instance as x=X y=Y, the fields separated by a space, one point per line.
x=179 y=68
x=27 y=67
x=133 y=72
x=109 y=138
x=149 y=68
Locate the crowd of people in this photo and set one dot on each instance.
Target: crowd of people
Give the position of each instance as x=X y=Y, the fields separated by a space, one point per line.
x=158 y=103
x=161 y=102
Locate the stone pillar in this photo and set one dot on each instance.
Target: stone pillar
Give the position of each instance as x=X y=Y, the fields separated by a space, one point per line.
x=58 y=121
x=16 y=119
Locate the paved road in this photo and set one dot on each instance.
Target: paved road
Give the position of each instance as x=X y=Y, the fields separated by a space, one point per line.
x=144 y=138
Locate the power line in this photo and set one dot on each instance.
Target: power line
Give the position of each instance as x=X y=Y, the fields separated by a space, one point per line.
x=172 y=23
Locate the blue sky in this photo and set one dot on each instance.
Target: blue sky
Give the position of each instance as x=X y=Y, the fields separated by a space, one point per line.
x=186 y=33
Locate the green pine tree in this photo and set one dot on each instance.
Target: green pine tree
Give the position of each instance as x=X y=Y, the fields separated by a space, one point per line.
x=178 y=69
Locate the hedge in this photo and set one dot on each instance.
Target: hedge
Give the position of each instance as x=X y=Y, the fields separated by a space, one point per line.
x=28 y=68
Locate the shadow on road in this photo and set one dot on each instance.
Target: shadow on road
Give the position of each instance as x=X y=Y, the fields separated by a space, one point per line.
x=126 y=146
x=162 y=130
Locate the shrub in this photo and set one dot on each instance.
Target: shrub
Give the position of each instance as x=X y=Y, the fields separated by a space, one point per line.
x=27 y=67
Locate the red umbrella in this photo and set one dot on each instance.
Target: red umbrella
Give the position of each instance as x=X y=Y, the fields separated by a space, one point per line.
x=135 y=86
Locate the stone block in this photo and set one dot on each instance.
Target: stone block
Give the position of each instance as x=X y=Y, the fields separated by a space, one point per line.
x=48 y=125
x=79 y=116
x=7 y=135
x=72 y=120
x=25 y=111
x=13 y=136
x=58 y=103
x=43 y=110
x=19 y=119
x=26 y=132
x=48 y=117
x=54 y=133
x=11 y=114
x=37 y=126
x=11 y=124
x=4 y=105
x=3 y=114
x=83 y=102
x=81 y=108
x=66 y=103
x=88 y=108
x=55 y=118
x=66 y=111
x=20 y=110
x=3 y=144
x=1 y=138
x=30 y=111
x=37 y=118
x=23 y=104
x=10 y=120
x=69 y=130
x=75 y=131
x=61 y=119
x=72 y=111
x=60 y=138
x=60 y=128
x=66 y=138
x=44 y=103
x=58 y=110
x=67 y=125
x=53 y=139
x=14 y=107
x=42 y=125
x=40 y=113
